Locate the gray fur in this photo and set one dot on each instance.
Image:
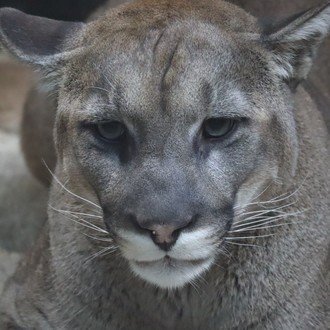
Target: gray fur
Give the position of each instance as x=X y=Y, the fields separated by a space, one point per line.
x=162 y=68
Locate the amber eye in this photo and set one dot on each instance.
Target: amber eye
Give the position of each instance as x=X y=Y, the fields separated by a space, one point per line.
x=218 y=127
x=111 y=131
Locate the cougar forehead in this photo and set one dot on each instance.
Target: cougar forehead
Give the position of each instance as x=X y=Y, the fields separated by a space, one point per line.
x=147 y=34
x=186 y=64
x=180 y=71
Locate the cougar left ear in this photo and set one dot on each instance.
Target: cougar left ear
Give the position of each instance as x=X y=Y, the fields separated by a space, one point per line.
x=294 y=44
x=36 y=40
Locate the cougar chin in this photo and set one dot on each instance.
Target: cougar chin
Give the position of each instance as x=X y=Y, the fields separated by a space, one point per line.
x=171 y=273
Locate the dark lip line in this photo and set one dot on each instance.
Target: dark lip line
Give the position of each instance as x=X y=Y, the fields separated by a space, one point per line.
x=168 y=259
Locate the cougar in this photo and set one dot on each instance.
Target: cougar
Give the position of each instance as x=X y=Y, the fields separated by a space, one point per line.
x=190 y=188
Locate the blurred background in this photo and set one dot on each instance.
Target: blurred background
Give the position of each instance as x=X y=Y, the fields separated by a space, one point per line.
x=67 y=10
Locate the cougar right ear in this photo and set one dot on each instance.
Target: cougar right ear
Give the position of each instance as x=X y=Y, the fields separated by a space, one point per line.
x=36 y=40
x=294 y=45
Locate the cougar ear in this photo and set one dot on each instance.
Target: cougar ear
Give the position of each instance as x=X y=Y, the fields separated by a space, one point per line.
x=294 y=43
x=35 y=40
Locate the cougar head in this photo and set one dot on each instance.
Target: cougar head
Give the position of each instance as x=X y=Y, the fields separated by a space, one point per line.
x=171 y=118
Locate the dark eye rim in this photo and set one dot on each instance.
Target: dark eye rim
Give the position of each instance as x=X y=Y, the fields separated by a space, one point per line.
x=115 y=140
x=94 y=128
x=232 y=129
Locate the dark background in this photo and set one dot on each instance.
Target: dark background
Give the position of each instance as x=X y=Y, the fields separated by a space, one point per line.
x=68 y=10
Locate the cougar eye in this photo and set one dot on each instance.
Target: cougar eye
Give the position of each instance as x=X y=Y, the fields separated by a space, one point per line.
x=218 y=127
x=111 y=131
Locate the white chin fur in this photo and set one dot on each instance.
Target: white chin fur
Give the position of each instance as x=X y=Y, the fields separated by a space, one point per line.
x=170 y=277
x=191 y=255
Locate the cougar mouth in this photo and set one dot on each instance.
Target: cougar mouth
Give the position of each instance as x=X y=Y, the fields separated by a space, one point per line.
x=170 y=273
x=191 y=255
x=168 y=261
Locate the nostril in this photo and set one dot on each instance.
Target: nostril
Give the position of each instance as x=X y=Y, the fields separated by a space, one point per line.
x=164 y=234
x=135 y=223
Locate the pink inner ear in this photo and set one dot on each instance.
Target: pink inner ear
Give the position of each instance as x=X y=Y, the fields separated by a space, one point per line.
x=26 y=35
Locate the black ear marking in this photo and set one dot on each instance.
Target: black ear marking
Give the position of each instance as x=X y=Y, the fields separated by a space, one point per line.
x=294 y=42
x=30 y=37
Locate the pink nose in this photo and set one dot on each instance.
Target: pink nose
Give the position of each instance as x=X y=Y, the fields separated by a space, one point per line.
x=163 y=235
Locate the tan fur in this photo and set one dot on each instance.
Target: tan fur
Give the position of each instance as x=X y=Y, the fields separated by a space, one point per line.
x=281 y=151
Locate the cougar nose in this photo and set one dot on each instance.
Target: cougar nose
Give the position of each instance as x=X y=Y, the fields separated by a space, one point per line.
x=165 y=235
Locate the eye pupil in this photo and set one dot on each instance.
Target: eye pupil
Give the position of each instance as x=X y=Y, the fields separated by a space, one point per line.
x=111 y=131
x=218 y=127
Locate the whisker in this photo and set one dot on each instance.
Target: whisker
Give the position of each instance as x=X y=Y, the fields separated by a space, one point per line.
x=99 y=238
x=266 y=216
x=255 y=215
x=81 y=213
x=217 y=264
x=99 y=253
x=243 y=244
x=266 y=219
x=82 y=223
x=282 y=196
x=195 y=286
x=248 y=237
x=298 y=188
x=225 y=253
x=260 y=211
x=203 y=280
x=253 y=228
x=79 y=223
x=253 y=199
x=67 y=190
x=230 y=256
x=222 y=250
x=260 y=220
x=264 y=211
x=109 y=252
x=250 y=220
x=74 y=215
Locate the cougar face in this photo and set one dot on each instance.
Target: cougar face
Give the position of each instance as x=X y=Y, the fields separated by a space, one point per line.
x=171 y=138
